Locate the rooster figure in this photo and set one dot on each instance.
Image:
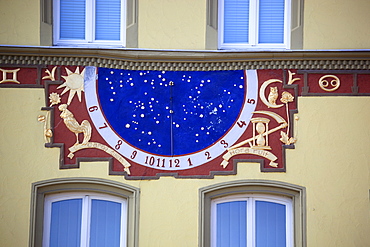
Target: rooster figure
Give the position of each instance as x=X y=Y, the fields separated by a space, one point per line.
x=74 y=126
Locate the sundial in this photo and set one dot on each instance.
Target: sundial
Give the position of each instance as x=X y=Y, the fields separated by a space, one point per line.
x=149 y=123
x=170 y=120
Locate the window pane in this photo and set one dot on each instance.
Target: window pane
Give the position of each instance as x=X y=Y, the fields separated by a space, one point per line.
x=108 y=20
x=72 y=19
x=231 y=224
x=271 y=21
x=236 y=21
x=105 y=226
x=270 y=224
x=65 y=227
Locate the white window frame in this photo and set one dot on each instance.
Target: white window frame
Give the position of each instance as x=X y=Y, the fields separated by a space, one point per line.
x=89 y=40
x=253 y=29
x=86 y=214
x=251 y=199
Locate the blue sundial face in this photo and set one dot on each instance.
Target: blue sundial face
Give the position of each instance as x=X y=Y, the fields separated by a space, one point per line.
x=170 y=120
x=171 y=113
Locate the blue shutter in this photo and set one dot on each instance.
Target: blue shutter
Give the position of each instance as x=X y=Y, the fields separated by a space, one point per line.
x=271 y=22
x=105 y=226
x=270 y=224
x=65 y=227
x=236 y=21
x=72 y=19
x=231 y=224
x=108 y=20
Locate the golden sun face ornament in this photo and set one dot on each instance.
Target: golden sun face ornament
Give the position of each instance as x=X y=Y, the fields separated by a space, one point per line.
x=74 y=84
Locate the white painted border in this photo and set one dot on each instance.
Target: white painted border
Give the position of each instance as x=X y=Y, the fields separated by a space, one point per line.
x=142 y=157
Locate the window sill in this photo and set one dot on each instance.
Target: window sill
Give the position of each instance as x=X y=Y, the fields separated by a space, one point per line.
x=103 y=46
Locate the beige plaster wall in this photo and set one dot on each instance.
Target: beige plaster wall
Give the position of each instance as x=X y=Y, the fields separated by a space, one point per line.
x=336 y=24
x=331 y=160
x=329 y=24
x=177 y=24
x=172 y=24
x=20 y=22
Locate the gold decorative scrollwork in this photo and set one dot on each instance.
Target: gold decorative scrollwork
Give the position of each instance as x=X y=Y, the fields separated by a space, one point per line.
x=291 y=80
x=245 y=150
x=50 y=74
x=13 y=73
x=259 y=142
x=85 y=128
x=325 y=82
x=273 y=95
x=102 y=147
x=75 y=127
x=264 y=133
x=54 y=99
x=47 y=131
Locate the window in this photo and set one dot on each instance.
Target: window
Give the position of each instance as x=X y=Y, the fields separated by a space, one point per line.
x=83 y=212
x=89 y=21
x=95 y=23
x=252 y=213
x=252 y=220
x=84 y=219
x=254 y=24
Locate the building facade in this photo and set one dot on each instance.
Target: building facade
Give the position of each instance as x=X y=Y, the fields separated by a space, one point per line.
x=184 y=123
